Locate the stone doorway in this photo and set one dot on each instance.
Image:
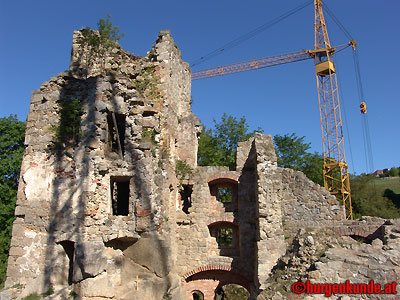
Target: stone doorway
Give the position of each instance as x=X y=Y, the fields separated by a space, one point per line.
x=211 y=285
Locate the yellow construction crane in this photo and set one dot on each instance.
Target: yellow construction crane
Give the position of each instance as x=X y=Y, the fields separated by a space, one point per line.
x=335 y=171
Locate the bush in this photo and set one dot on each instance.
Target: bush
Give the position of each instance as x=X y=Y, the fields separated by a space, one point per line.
x=394 y=172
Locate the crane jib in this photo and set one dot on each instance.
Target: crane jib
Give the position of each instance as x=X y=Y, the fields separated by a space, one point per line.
x=264 y=62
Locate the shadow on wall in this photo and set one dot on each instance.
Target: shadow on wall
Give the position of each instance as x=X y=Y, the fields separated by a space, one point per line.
x=67 y=215
x=70 y=192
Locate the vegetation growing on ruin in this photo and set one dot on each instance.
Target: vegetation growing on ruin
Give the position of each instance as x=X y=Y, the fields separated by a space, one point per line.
x=147 y=83
x=33 y=296
x=99 y=43
x=182 y=169
x=149 y=136
x=12 y=133
x=68 y=130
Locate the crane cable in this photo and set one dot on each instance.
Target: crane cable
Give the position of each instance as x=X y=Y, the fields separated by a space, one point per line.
x=336 y=20
x=250 y=34
x=364 y=119
x=345 y=121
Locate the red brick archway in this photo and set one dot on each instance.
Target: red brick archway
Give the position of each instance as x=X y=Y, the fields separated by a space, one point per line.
x=223 y=177
x=208 y=279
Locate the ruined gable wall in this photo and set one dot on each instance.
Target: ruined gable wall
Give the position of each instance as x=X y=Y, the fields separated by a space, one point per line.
x=307 y=204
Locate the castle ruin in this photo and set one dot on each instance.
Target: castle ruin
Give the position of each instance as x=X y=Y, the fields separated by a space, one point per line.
x=121 y=210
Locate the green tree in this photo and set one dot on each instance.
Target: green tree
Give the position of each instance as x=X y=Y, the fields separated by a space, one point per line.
x=12 y=134
x=394 y=172
x=292 y=153
x=108 y=32
x=218 y=147
x=100 y=43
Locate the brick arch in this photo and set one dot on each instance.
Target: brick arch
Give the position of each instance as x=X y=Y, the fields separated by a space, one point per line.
x=209 y=281
x=216 y=267
x=355 y=229
x=223 y=178
x=229 y=220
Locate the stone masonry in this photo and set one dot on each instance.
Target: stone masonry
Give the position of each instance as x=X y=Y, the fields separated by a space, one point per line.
x=124 y=212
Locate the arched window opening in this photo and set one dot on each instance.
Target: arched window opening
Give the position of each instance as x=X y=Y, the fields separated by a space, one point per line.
x=227 y=236
x=197 y=295
x=225 y=191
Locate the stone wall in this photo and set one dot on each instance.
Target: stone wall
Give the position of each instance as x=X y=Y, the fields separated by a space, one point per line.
x=271 y=242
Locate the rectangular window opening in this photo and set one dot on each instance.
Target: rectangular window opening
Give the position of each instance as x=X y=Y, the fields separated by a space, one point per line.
x=116 y=133
x=120 y=192
x=186 y=197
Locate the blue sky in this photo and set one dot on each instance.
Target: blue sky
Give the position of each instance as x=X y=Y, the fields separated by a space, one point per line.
x=36 y=42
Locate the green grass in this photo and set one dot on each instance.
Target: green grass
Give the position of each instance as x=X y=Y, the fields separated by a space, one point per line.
x=373 y=196
x=33 y=296
x=392 y=183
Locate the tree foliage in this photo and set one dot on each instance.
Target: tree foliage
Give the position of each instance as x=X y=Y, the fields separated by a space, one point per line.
x=394 y=172
x=218 y=147
x=99 y=44
x=12 y=134
x=292 y=153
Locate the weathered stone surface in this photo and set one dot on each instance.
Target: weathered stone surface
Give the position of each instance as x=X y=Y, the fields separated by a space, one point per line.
x=90 y=260
x=151 y=253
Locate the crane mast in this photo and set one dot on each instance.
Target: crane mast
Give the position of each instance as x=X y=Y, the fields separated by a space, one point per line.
x=335 y=171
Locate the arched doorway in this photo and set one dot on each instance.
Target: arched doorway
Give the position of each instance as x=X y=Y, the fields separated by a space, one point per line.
x=211 y=282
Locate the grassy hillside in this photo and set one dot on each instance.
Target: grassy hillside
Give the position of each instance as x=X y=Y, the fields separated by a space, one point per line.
x=372 y=196
x=392 y=183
